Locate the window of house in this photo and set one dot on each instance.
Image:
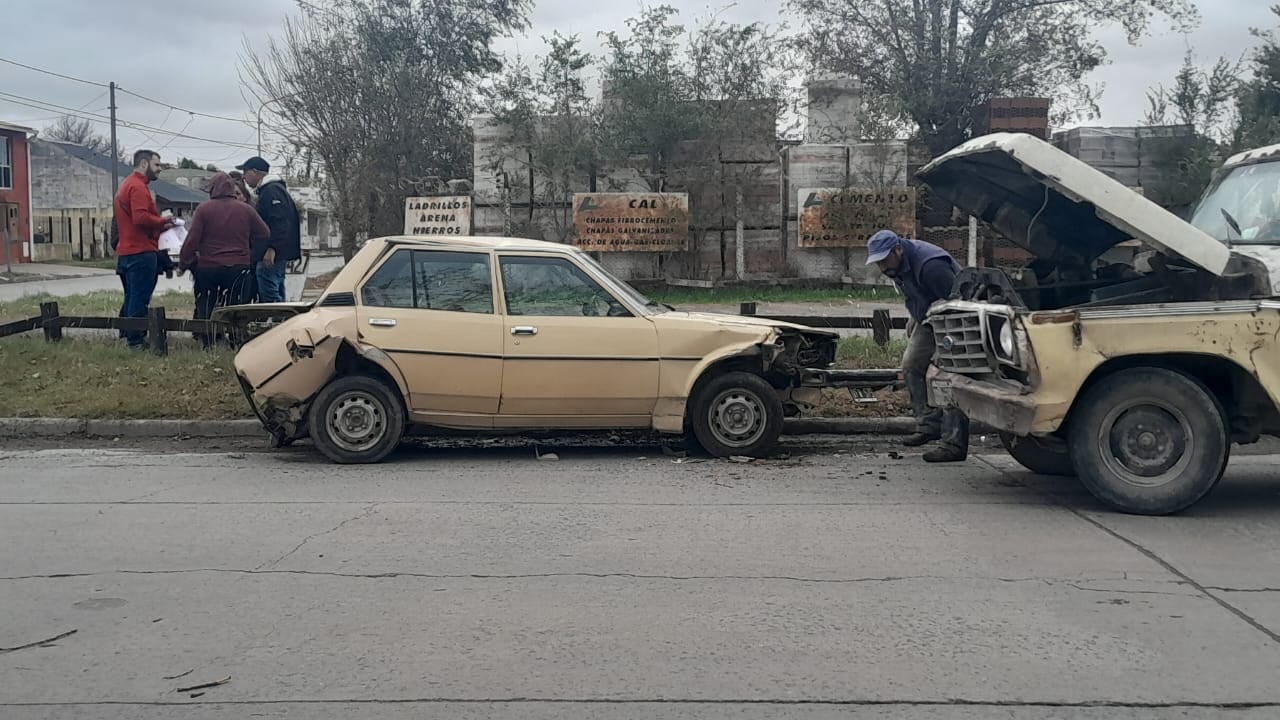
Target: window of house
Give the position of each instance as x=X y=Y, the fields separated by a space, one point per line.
x=313 y=223
x=432 y=280
x=6 y=163
x=554 y=287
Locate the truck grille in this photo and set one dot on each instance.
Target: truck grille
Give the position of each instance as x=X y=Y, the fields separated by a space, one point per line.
x=960 y=347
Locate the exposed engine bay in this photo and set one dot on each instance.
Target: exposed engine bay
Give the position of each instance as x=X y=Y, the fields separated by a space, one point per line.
x=1151 y=279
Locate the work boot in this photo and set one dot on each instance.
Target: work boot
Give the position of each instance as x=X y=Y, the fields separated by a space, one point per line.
x=920 y=438
x=945 y=454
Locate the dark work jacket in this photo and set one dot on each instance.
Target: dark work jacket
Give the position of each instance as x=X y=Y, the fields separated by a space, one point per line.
x=279 y=212
x=926 y=276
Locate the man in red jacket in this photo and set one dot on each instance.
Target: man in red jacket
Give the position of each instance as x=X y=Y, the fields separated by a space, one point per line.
x=139 y=225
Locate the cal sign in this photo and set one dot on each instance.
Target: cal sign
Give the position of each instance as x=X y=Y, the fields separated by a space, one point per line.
x=448 y=215
x=631 y=222
x=848 y=217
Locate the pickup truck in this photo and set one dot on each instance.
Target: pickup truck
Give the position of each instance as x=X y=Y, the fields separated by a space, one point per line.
x=1136 y=376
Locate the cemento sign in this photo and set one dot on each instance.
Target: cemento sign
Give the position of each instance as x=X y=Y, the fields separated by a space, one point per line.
x=631 y=222
x=437 y=216
x=848 y=217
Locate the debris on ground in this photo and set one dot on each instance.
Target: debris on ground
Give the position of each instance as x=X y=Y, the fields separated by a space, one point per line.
x=203 y=686
x=40 y=643
x=741 y=459
x=179 y=675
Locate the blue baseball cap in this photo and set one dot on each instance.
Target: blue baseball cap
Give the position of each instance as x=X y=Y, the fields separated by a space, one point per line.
x=881 y=244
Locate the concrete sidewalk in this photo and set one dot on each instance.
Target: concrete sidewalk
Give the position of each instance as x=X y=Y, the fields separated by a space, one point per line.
x=97 y=280
x=59 y=270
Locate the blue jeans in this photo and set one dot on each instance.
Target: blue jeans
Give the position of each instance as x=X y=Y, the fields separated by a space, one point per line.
x=270 y=281
x=138 y=276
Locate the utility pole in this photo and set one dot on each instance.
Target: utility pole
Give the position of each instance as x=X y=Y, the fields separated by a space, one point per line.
x=115 y=151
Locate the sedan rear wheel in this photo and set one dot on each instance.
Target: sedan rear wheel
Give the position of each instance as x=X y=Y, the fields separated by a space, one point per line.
x=356 y=419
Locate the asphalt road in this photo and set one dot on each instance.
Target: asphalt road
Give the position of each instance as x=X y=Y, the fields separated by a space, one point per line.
x=842 y=582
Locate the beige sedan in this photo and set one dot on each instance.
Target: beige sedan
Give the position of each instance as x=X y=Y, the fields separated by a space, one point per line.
x=499 y=335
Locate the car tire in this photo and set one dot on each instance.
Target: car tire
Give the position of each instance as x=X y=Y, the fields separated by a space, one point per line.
x=356 y=419
x=1038 y=456
x=736 y=413
x=1149 y=441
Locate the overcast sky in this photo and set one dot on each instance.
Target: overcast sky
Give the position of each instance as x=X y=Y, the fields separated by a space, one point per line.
x=185 y=53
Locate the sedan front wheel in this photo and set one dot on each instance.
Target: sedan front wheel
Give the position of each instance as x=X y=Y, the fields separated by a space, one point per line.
x=737 y=414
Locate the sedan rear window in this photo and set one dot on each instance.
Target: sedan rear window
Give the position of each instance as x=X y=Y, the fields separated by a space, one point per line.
x=432 y=280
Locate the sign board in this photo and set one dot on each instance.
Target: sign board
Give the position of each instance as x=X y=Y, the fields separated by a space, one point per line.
x=848 y=217
x=631 y=222
x=445 y=215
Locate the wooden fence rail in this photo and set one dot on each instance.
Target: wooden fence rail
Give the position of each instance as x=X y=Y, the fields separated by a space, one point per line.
x=880 y=322
x=157 y=326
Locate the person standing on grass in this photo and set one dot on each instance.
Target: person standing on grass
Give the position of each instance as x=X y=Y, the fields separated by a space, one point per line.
x=281 y=214
x=139 y=226
x=925 y=274
x=218 y=249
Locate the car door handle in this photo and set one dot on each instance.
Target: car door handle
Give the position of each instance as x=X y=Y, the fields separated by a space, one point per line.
x=524 y=330
x=382 y=322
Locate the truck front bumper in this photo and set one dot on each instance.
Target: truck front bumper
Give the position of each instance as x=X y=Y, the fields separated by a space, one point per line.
x=1007 y=409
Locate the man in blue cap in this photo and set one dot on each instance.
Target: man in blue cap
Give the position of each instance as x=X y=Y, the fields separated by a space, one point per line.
x=925 y=274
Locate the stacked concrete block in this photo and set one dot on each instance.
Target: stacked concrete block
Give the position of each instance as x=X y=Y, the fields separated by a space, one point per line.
x=1134 y=156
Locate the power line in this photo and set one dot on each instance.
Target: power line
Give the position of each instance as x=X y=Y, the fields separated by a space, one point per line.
x=95 y=117
x=178 y=134
x=167 y=115
x=185 y=110
x=54 y=74
x=127 y=92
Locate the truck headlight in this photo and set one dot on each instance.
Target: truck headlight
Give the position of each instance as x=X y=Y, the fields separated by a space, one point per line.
x=1007 y=344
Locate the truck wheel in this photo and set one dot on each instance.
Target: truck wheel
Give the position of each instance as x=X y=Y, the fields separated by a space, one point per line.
x=1149 y=441
x=736 y=414
x=1039 y=456
x=356 y=419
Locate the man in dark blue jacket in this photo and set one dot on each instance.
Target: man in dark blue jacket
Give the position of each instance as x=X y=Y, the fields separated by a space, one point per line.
x=925 y=274
x=279 y=212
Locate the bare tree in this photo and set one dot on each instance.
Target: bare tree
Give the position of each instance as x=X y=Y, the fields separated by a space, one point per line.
x=380 y=91
x=941 y=58
x=69 y=128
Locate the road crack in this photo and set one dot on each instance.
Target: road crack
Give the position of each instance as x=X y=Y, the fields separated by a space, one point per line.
x=359 y=516
x=779 y=702
x=1148 y=553
x=1051 y=582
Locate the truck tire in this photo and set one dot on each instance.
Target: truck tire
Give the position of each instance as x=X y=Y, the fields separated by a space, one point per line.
x=356 y=419
x=736 y=414
x=1038 y=456
x=1149 y=441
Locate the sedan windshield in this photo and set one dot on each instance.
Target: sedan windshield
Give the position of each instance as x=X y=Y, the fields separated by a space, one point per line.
x=1242 y=206
x=619 y=286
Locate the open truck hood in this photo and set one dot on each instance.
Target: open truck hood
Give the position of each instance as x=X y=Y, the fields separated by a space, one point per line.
x=1057 y=207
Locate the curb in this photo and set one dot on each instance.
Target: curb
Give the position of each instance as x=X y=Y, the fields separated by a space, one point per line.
x=73 y=427
x=153 y=429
